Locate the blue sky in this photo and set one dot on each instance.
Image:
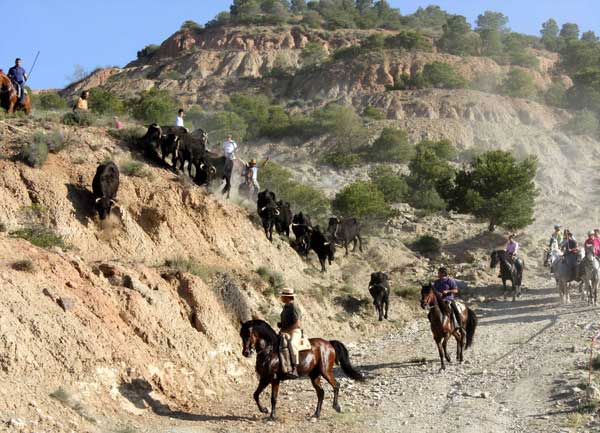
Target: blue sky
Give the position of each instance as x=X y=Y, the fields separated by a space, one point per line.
x=110 y=32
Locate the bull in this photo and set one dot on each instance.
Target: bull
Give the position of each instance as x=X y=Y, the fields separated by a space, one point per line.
x=379 y=288
x=266 y=206
x=212 y=166
x=344 y=231
x=324 y=249
x=284 y=219
x=192 y=149
x=301 y=227
x=104 y=187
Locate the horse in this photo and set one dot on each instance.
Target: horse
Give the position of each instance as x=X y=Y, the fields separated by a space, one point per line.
x=591 y=275
x=318 y=362
x=442 y=324
x=379 y=289
x=508 y=271
x=9 y=99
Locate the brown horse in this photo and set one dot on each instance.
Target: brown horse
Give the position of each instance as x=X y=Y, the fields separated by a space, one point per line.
x=315 y=363
x=442 y=325
x=9 y=99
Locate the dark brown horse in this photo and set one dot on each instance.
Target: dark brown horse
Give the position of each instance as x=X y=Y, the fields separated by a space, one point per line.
x=9 y=99
x=442 y=325
x=315 y=363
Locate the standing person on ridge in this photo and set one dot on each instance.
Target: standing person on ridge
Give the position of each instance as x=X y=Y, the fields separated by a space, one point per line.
x=179 y=118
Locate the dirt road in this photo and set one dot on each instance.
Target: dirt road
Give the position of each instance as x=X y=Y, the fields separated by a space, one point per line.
x=526 y=373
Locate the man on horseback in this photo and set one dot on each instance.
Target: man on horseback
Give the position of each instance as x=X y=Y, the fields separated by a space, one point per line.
x=592 y=242
x=18 y=77
x=250 y=175
x=556 y=237
x=290 y=334
x=447 y=288
x=571 y=253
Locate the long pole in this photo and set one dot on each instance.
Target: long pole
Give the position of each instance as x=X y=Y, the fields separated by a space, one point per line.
x=33 y=65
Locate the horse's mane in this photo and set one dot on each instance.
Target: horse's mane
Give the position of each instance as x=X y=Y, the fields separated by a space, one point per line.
x=262 y=327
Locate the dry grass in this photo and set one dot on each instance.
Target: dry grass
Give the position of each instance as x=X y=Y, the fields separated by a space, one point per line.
x=23 y=265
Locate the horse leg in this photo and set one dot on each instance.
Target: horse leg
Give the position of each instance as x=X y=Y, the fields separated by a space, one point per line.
x=346 y=246
x=445 y=347
x=387 y=306
x=504 y=290
x=354 y=243
x=315 y=378
x=264 y=382
x=438 y=342
x=329 y=377
x=514 y=290
x=274 y=392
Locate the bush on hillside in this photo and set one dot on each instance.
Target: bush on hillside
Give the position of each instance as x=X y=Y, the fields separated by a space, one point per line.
x=427 y=199
x=442 y=75
x=343 y=123
x=52 y=101
x=362 y=200
x=313 y=54
x=341 y=159
x=519 y=84
x=102 y=101
x=254 y=109
x=390 y=183
x=556 y=95
x=583 y=123
x=154 y=106
x=78 y=118
x=458 y=39
x=39 y=236
x=147 y=51
x=428 y=245
x=129 y=136
x=374 y=113
x=391 y=146
x=35 y=152
x=133 y=168
x=409 y=40
x=191 y=25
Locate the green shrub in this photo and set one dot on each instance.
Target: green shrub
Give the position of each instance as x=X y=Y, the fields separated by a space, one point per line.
x=301 y=196
x=362 y=200
x=39 y=236
x=102 y=101
x=35 y=152
x=147 y=51
x=343 y=123
x=135 y=169
x=313 y=54
x=556 y=95
x=52 y=101
x=519 y=84
x=391 y=146
x=222 y=123
x=340 y=159
x=278 y=123
x=427 y=245
x=348 y=53
x=374 y=113
x=57 y=141
x=253 y=108
x=174 y=75
x=486 y=82
x=412 y=293
x=443 y=76
x=409 y=40
x=583 y=123
x=129 y=136
x=78 y=118
x=428 y=199
x=154 y=106
x=390 y=183
x=375 y=41
x=274 y=279
x=191 y=25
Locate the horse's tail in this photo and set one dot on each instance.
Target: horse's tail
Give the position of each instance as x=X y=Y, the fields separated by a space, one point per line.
x=471 y=325
x=342 y=358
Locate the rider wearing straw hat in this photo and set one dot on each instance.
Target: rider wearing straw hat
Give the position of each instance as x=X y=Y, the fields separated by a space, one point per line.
x=290 y=333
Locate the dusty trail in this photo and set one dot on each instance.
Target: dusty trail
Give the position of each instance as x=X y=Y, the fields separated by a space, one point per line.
x=524 y=374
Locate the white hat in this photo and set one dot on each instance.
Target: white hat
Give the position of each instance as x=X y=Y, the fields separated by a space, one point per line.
x=287 y=292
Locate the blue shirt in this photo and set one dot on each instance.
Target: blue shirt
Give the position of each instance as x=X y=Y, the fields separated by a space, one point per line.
x=17 y=73
x=445 y=283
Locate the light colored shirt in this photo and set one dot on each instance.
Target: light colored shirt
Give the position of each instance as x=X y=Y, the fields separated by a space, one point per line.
x=179 y=121
x=229 y=146
x=82 y=104
x=512 y=247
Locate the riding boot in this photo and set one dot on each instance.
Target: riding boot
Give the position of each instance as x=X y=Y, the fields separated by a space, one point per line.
x=293 y=372
x=456 y=316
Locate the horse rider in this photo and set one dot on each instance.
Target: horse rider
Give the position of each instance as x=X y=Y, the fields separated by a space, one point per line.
x=597 y=237
x=229 y=147
x=290 y=333
x=250 y=173
x=18 y=76
x=179 y=118
x=512 y=248
x=594 y=242
x=556 y=236
x=571 y=250
x=82 y=102
x=447 y=288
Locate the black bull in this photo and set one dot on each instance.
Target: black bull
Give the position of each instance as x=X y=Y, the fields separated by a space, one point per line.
x=213 y=167
x=344 y=231
x=104 y=187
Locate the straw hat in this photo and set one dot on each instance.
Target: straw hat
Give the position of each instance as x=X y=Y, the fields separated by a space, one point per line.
x=287 y=292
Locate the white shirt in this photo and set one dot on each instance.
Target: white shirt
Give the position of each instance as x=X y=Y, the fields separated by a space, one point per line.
x=179 y=121
x=229 y=146
x=254 y=171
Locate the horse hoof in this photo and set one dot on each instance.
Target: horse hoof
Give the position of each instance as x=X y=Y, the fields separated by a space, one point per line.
x=337 y=408
x=264 y=410
x=314 y=418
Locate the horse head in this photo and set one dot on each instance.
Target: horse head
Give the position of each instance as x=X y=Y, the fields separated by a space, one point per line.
x=256 y=335
x=428 y=296
x=495 y=259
